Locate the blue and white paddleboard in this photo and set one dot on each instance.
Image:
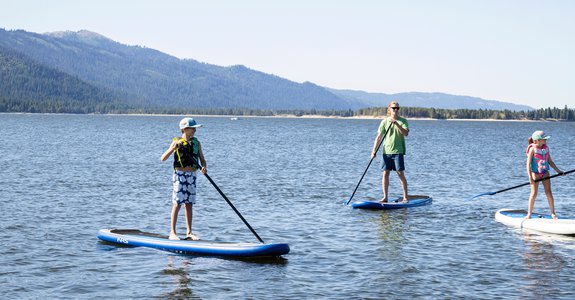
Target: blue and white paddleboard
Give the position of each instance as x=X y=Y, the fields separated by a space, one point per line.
x=538 y=222
x=137 y=238
x=395 y=204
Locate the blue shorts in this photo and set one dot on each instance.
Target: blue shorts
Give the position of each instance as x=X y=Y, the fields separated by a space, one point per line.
x=184 y=191
x=393 y=162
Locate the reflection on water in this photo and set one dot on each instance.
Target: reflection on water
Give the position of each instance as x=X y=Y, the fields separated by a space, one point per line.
x=391 y=227
x=540 y=257
x=180 y=270
x=181 y=279
x=392 y=224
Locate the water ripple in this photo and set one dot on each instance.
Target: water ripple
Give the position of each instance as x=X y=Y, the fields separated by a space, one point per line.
x=288 y=178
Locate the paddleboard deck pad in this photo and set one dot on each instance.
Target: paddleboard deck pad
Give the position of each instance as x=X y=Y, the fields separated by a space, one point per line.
x=414 y=201
x=537 y=222
x=137 y=238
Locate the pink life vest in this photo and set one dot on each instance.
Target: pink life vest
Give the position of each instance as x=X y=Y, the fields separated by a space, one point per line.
x=540 y=161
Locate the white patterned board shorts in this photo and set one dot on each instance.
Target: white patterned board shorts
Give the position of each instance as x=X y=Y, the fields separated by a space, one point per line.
x=184 y=187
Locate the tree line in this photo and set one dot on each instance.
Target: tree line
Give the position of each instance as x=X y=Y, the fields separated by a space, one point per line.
x=563 y=114
x=96 y=107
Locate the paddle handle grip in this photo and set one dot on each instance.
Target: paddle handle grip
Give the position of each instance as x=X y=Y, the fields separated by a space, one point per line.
x=553 y=176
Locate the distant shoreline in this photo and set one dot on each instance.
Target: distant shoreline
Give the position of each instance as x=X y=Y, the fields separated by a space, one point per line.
x=286 y=116
x=380 y=118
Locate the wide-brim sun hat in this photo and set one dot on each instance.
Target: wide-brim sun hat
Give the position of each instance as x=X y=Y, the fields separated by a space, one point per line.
x=189 y=122
x=539 y=135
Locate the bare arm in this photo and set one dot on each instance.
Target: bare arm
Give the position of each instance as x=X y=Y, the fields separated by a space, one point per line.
x=528 y=165
x=204 y=168
x=402 y=130
x=552 y=164
x=375 y=143
x=173 y=146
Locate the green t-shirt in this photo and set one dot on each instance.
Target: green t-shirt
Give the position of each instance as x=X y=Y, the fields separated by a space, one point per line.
x=394 y=141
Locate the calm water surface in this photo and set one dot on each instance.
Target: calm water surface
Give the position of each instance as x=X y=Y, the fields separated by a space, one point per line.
x=64 y=177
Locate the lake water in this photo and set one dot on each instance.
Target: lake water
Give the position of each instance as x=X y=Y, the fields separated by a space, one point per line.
x=64 y=177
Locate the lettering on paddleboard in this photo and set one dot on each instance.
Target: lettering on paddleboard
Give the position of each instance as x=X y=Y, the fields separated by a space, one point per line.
x=122 y=240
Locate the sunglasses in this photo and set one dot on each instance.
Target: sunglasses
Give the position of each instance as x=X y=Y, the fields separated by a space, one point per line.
x=395 y=108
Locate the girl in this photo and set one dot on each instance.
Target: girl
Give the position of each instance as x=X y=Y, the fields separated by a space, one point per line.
x=187 y=155
x=538 y=162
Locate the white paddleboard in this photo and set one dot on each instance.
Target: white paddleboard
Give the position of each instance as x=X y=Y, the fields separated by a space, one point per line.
x=537 y=222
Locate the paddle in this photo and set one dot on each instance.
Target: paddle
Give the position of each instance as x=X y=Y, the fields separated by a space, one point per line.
x=234 y=208
x=369 y=164
x=227 y=200
x=524 y=184
x=230 y=203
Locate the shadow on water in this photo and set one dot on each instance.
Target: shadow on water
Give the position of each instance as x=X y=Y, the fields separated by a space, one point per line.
x=109 y=246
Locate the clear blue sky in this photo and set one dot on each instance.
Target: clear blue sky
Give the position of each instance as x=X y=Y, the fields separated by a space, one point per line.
x=519 y=51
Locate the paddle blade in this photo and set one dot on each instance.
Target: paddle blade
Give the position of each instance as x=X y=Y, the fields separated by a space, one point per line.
x=483 y=194
x=346 y=203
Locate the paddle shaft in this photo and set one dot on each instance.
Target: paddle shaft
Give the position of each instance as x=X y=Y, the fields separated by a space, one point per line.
x=537 y=180
x=234 y=208
x=369 y=164
x=231 y=205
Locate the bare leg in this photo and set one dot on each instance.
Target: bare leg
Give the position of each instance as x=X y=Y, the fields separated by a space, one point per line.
x=550 y=199
x=532 y=196
x=189 y=215
x=385 y=185
x=403 y=180
x=173 y=221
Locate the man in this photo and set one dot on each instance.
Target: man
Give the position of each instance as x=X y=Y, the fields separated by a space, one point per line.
x=393 y=130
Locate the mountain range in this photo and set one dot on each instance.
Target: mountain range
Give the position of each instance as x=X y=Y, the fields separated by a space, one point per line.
x=84 y=67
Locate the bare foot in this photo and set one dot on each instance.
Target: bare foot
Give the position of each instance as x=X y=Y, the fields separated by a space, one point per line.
x=554 y=216
x=528 y=216
x=192 y=237
x=404 y=200
x=383 y=200
x=173 y=236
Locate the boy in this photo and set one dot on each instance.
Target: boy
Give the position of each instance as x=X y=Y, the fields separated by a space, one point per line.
x=187 y=155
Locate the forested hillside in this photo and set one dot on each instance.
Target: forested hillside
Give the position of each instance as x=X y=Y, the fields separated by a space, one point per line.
x=26 y=86
x=84 y=72
x=158 y=80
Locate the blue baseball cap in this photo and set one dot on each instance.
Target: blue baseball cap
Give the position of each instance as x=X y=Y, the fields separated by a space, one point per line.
x=189 y=122
x=539 y=135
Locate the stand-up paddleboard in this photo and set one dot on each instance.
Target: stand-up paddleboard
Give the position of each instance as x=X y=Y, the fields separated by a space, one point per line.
x=537 y=222
x=137 y=238
x=394 y=204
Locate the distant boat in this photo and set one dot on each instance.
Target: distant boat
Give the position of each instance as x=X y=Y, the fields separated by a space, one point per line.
x=234 y=118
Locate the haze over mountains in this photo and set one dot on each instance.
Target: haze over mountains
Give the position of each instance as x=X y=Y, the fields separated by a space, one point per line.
x=87 y=68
